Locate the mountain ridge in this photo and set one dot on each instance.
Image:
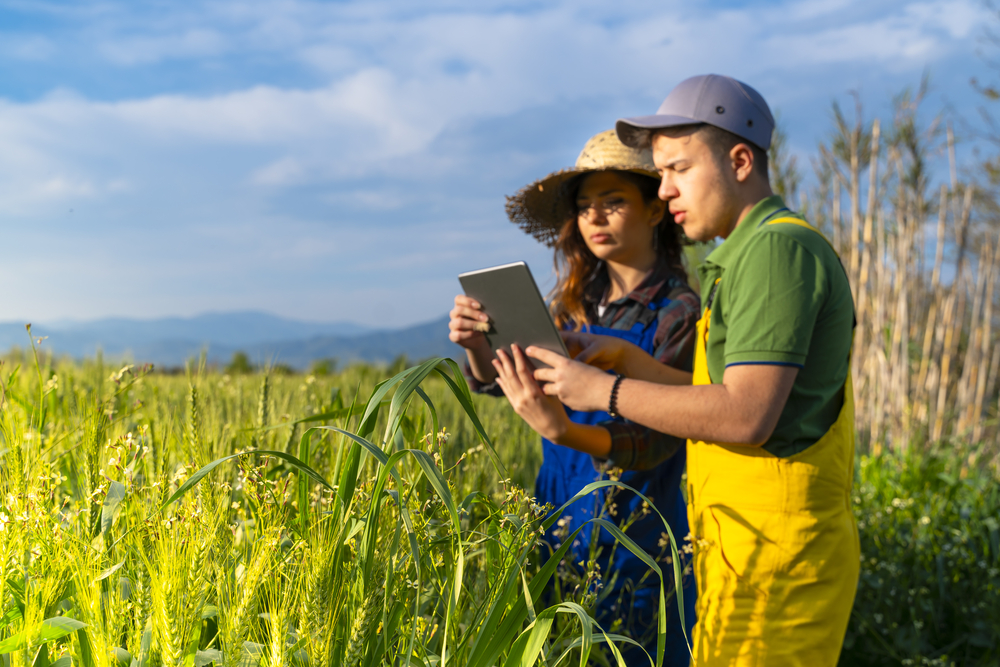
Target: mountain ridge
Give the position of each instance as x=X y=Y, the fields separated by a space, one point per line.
x=265 y=338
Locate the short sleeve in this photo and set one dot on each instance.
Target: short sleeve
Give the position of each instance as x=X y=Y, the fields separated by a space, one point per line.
x=676 y=331
x=776 y=291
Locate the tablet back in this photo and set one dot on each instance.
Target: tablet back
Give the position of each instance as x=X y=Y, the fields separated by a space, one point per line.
x=517 y=311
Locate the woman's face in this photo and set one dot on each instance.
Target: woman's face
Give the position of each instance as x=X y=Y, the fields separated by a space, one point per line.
x=615 y=222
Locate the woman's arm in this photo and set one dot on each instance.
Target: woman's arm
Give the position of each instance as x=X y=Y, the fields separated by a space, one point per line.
x=623 y=357
x=674 y=346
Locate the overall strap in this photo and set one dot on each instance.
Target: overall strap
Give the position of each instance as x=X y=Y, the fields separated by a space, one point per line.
x=711 y=295
x=803 y=223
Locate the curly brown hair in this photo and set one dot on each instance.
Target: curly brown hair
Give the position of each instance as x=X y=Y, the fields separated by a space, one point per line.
x=577 y=267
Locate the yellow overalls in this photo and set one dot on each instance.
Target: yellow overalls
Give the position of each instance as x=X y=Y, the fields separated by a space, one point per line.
x=776 y=553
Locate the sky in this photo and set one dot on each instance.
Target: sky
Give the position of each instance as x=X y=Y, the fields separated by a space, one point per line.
x=344 y=161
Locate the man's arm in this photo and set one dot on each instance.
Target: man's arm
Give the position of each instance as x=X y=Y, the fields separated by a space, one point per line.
x=743 y=409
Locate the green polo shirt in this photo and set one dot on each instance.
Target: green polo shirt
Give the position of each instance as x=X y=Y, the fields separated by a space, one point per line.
x=783 y=299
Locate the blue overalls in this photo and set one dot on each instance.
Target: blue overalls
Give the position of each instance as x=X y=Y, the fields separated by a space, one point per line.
x=565 y=471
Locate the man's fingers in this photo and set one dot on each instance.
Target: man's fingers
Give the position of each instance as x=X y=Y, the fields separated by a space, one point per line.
x=545 y=375
x=545 y=356
x=550 y=389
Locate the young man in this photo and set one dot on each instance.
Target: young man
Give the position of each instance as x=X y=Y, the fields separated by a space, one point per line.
x=769 y=419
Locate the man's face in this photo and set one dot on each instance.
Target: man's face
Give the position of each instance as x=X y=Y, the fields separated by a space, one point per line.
x=697 y=188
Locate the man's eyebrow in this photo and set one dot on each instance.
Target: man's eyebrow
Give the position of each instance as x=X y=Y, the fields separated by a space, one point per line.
x=674 y=163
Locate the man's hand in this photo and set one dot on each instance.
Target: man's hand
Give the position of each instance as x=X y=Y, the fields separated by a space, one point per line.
x=543 y=413
x=576 y=384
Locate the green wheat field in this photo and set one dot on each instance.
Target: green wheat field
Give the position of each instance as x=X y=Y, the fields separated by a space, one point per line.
x=378 y=516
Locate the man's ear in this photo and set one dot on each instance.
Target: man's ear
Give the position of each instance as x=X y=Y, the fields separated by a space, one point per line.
x=741 y=160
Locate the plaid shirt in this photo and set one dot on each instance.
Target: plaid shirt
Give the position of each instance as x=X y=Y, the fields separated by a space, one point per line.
x=636 y=447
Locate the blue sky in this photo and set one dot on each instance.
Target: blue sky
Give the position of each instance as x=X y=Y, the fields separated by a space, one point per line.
x=345 y=160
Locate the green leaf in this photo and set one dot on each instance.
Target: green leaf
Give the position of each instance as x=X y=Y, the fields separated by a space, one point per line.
x=56 y=627
x=123 y=657
x=111 y=506
x=42 y=657
x=251 y=654
x=530 y=643
x=86 y=650
x=208 y=656
x=198 y=476
x=108 y=572
x=10 y=616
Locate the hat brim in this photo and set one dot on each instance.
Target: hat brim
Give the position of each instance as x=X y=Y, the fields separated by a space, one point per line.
x=541 y=209
x=637 y=132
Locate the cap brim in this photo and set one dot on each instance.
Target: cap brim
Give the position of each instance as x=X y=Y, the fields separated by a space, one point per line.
x=637 y=132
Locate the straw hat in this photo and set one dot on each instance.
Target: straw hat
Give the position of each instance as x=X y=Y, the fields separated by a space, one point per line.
x=541 y=209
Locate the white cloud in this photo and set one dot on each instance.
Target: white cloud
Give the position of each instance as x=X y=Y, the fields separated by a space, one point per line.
x=26 y=47
x=276 y=176
x=192 y=43
x=285 y=171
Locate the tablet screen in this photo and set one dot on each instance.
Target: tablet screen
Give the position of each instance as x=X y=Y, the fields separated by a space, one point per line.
x=518 y=314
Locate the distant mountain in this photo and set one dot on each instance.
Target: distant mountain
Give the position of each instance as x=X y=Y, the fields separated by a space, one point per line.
x=416 y=342
x=265 y=338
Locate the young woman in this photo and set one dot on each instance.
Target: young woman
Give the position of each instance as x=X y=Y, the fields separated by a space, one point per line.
x=618 y=260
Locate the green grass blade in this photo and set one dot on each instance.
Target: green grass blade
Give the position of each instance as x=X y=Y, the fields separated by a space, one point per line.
x=412 y=379
x=460 y=388
x=192 y=481
x=530 y=642
x=56 y=627
x=303 y=490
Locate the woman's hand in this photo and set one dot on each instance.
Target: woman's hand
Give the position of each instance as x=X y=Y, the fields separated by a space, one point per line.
x=467 y=320
x=543 y=413
x=466 y=328
x=605 y=352
x=615 y=354
x=575 y=384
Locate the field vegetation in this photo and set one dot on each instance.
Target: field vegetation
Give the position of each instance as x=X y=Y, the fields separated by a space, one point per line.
x=383 y=515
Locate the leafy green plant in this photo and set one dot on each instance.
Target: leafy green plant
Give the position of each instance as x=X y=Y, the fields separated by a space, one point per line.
x=929 y=592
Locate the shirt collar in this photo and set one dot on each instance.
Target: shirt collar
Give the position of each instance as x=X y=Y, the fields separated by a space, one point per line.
x=723 y=255
x=645 y=291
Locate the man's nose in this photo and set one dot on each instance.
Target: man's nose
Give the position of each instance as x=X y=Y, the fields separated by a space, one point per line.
x=667 y=190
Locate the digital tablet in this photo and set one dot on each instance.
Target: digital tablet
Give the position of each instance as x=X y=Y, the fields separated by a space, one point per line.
x=518 y=314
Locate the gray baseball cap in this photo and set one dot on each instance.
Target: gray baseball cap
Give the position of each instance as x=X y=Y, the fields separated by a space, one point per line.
x=709 y=98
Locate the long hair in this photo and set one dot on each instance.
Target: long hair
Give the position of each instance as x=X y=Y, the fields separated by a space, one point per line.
x=577 y=268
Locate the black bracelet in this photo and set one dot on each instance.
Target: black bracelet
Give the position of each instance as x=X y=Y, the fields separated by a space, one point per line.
x=613 y=401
